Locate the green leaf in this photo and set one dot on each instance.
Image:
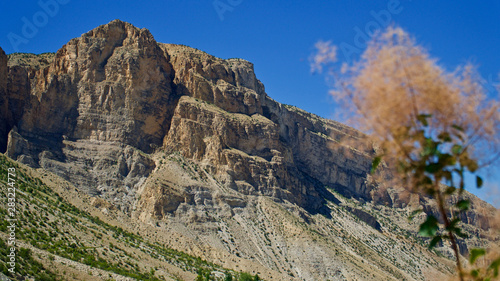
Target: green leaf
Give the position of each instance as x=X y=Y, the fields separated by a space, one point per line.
x=426 y=181
x=423 y=183
x=459 y=233
x=450 y=190
x=456 y=149
x=430 y=147
x=453 y=223
x=474 y=273
x=479 y=182
x=433 y=168
x=429 y=228
x=447 y=159
x=472 y=165
x=448 y=176
x=430 y=191
x=495 y=265
x=475 y=254
x=445 y=137
x=456 y=127
x=422 y=118
x=435 y=241
x=463 y=204
x=376 y=161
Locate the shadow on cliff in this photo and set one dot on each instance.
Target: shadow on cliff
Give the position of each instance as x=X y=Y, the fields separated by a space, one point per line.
x=318 y=203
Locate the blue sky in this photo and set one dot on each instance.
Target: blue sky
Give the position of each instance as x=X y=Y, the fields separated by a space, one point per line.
x=277 y=36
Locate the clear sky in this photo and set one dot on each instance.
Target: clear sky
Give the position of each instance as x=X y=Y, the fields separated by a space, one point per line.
x=277 y=36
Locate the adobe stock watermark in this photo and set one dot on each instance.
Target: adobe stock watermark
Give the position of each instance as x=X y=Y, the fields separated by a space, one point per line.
x=31 y=26
x=381 y=20
x=490 y=84
x=223 y=6
x=11 y=219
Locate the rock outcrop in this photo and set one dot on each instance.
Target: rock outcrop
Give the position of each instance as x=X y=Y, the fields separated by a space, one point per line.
x=257 y=145
x=14 y=94
x=115 y=87
x=169 y=133
x=4 y=101
x=105 y=97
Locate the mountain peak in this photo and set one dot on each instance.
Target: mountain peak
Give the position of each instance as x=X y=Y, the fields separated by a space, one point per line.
x=115 y=26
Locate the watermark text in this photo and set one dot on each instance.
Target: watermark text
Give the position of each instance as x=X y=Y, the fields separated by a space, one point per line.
x=381 y=20
x=31 y=26
x=11 y=220
x=223 y=6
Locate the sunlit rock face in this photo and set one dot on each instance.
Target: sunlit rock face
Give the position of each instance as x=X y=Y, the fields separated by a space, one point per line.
x=115 y=90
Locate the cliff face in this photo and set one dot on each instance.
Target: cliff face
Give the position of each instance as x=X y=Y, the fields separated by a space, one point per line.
x=4 y=109
x=255 y=144
x=14 y=93
x=105 y=97
x=116 y=87
x=112 y=84
x=169 y=133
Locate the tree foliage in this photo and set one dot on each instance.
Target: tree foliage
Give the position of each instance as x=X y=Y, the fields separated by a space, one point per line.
x=431 y=127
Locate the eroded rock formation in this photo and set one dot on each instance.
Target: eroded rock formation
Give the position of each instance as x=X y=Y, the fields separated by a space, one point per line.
x=169 y=133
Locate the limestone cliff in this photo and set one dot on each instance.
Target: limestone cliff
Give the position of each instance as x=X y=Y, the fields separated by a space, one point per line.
x=115 y=86
x=4 y=108
x=191 y=143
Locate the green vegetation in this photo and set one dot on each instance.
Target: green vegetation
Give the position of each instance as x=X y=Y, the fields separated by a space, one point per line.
x=48 y=222
x=206 y=276
x=248 y=277
x=25 y=265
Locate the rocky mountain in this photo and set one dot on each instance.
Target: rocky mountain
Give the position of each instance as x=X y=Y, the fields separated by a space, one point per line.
x=190 y=149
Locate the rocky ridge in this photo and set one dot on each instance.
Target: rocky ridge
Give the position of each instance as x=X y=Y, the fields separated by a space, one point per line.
x=191 y=143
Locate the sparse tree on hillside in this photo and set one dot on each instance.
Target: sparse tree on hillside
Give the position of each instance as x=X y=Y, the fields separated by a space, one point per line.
x=432 y=127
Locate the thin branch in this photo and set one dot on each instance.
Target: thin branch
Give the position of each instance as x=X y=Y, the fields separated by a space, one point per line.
x=454 y=244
